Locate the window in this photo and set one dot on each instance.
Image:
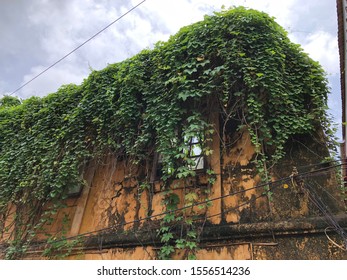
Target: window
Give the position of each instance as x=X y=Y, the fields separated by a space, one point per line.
x=194 y=153
x=158 y=168
x=74 y=190
x=157 y=171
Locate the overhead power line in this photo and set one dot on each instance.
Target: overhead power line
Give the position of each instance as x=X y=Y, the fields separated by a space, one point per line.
x=75 y=49
x=329 y=217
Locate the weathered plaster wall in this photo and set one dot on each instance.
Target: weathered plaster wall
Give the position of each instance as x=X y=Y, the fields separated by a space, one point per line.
x=259 y=229
x=115 y=201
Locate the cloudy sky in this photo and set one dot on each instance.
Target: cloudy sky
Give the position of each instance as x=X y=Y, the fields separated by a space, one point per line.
x=37 y=33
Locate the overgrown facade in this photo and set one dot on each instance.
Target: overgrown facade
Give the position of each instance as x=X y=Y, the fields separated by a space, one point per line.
x=213 y=145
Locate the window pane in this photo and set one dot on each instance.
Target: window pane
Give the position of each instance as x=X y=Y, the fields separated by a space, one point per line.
x=74 y=190
x=195 y=150
x=194 y=140
x=199 y=163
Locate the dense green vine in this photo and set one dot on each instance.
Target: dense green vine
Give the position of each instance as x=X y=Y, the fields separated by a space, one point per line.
x=238 y=60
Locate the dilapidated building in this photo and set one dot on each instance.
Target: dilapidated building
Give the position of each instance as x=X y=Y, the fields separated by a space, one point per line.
x=213 y=145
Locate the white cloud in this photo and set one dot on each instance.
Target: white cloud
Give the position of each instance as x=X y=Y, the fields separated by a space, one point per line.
x=53 y=79
x=323 y=47
x=281 y=10
x=174 y=14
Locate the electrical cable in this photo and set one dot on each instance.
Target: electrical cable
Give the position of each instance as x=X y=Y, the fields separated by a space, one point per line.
x=314 y=198
x=78 y=47
x=317 y=164
x=332 y=241
x=319 y=171
x=325 y=191
x=323 y=208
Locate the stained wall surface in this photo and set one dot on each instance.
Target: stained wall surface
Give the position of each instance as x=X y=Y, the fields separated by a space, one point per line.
x=115 y=201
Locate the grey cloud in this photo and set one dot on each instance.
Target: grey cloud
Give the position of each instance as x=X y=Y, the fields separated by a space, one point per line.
x=310 y=16
x=18 y=43
x=37 y=33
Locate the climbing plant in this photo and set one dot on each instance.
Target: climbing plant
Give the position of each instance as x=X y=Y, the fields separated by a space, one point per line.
x=239 y=62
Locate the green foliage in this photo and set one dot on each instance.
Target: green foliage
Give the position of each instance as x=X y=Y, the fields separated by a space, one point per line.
x=171 y=201
x=189 y=236
x=58 y=246
x=9 y=101
x=211 y=176
x=239 y=60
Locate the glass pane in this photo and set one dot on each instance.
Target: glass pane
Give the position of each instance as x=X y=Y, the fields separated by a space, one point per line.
x=199 y=163
x=74 y=190
x=194 y=140
x=195 y=150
